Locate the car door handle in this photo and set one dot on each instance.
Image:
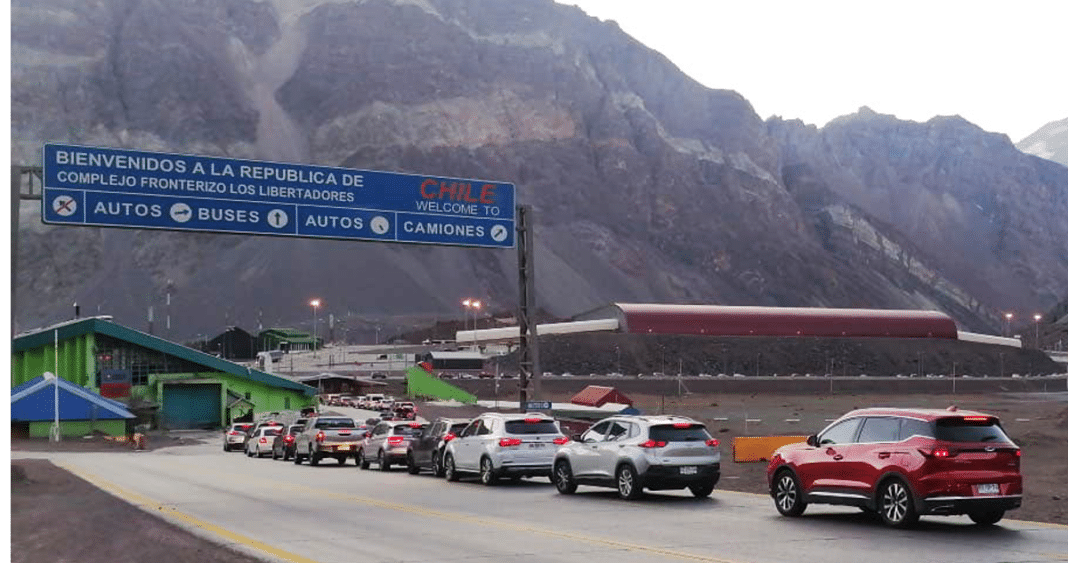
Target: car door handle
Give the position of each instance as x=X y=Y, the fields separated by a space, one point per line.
x=884 y=455
x=837 y=457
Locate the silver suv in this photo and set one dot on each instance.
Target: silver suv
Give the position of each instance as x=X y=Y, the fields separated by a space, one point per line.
x=496 y=445
x=387 y=444
x=630 y=453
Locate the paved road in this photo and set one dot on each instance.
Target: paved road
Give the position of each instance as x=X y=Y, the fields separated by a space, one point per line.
x=281 y=511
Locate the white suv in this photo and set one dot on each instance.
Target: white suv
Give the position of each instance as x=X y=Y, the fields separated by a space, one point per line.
x=630 y=453
x=512 y=445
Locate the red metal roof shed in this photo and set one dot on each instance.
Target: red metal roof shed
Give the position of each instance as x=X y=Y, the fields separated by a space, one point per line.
x=597 y=396
x=719 y=320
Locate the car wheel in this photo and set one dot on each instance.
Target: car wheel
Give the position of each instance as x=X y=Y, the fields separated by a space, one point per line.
x=787 y=493
x=413 y=469
x=313 y=458
x=341 y=459
x=435 y=463
x=450 y=468
x=362 y=460
x=383 y=465
x=274 y=454
x=226 y=447
x=986 y=518
x=563 y=479
x=627 y=482
x=486 y=473
x=701 y=490
x=297 y=459
x=286 y=455
x=895 y=504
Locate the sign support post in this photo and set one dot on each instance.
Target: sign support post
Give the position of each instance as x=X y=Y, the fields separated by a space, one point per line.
x=529 y=366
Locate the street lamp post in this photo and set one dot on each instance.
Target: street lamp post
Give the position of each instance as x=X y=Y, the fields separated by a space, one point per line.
x=1008 y=320
x=472 y=305
x=315 y=324
x=1038 y=319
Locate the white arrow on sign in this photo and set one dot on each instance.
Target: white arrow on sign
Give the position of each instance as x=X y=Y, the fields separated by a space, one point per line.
x=181 y=213
x=499 y=233
x=277 y=218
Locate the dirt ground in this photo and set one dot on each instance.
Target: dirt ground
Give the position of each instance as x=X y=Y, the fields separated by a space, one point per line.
x=1037 y=422
x=45 y=498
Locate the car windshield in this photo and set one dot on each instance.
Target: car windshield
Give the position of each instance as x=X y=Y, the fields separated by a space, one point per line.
x=673 y=433
x=335 y=423
x=458 y=427
x=533 y=426
x=964 y=430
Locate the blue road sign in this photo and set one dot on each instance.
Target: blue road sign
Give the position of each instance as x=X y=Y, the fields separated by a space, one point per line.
x=148 y=190
x=539 y=405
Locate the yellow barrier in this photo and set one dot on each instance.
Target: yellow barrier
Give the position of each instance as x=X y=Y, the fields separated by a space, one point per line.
x=760 y=448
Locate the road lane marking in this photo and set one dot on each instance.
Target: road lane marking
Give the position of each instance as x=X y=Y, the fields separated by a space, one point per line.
x=389 y=505
x=138 y=499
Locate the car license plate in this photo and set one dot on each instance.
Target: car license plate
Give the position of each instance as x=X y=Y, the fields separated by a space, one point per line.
x=536 y=445
x=343 y=448
x=688 y=470
x=989 y=489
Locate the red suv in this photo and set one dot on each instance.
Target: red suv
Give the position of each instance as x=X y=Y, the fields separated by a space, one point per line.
x=902 y=463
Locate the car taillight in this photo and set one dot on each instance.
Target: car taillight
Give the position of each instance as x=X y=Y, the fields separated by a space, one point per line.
x=940 y=452
x=287 y=439
x=652 y=444
x=531 y=420
x=395 y=440
x=234 y=433
x=712 y=442
x=263 y=440
x=976 y=418
x=561 y=440
x=448 y=437
x=1019 y=453
x=509 y=442
x=414 y=425
x=320 y=437
x=681 y=425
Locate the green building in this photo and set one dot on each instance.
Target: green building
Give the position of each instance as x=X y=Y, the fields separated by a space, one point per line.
x=286 y=340
x=189 y=388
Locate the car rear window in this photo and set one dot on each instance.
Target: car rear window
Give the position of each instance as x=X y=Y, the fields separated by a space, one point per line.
x=272 y=431
x=524 y=427
x=964 y=430
x=457 y=428
x=293 y=430
x=404 y=430
x=335 y=423
x=672 y=433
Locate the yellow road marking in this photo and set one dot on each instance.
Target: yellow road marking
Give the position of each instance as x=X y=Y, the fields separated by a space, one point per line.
x=146 y=502
x=412 y=509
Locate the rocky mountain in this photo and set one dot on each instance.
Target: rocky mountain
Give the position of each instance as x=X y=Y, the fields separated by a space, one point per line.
x=1049 y=142
x=646 y=186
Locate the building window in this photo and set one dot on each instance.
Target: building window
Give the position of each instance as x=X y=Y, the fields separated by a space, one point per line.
x=248 y=395
x=287 y=403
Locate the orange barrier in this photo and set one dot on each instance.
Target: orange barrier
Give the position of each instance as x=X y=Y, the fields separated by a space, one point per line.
x=761 y=448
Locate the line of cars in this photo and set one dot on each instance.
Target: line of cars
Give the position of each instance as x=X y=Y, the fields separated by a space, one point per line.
x=898 y=464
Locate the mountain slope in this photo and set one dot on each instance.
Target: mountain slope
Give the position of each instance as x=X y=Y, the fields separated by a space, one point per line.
x=646 y=185
x=1049 y=142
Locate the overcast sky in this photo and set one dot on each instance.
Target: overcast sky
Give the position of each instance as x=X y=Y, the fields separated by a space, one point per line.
x=999 y=64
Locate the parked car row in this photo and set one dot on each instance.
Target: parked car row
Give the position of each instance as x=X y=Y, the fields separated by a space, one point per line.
x=896 y=463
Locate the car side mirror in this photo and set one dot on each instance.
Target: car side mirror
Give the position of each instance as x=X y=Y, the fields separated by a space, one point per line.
x=366 y=434
x=576 y=438
x=813 y=441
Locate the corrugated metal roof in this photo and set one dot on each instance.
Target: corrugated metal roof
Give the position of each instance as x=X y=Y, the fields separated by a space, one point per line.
x=45 y=336
x=721 y=320
x=598 y=395
x=35 y=401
